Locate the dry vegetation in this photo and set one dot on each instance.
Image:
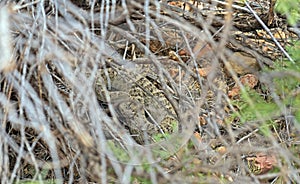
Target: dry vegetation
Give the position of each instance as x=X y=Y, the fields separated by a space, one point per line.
x=221 y=64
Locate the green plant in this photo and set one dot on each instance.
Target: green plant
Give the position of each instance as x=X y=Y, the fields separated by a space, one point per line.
x=290 y=8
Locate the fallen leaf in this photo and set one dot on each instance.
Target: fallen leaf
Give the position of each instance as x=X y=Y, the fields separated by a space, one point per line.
x=261 y=163
x=266 y=161
x=248 y=80
x=235 y=91
x=203 y=72
x=182 y=52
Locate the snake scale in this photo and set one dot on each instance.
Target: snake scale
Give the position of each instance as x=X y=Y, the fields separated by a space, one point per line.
x=142 y=107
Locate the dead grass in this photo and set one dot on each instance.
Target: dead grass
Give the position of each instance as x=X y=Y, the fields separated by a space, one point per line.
x=54 y=128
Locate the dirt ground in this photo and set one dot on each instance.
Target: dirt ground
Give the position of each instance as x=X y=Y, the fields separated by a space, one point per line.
x=226 y=72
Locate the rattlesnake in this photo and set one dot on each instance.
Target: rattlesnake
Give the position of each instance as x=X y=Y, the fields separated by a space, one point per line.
x=142 y=106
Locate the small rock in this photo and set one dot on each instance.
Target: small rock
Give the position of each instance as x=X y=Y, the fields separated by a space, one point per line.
x=243 y=63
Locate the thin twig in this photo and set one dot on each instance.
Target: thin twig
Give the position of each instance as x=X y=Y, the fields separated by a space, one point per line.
x=269 y=32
